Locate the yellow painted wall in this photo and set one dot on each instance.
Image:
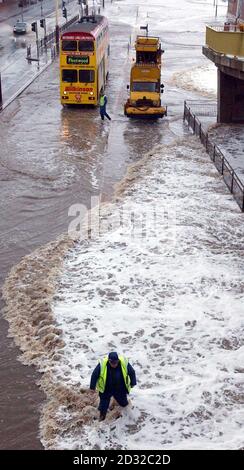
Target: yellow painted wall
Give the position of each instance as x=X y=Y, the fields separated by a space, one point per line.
x=225 y=42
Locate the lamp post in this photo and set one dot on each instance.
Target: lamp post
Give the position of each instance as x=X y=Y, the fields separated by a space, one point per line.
x=81 y=9
x=22 y=13
x=44 y=26
x=34 y=28
x=56 y=27
x=1 y=96
x=216 y=8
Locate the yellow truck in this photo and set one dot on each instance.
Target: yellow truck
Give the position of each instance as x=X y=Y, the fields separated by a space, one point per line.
x=145 y=80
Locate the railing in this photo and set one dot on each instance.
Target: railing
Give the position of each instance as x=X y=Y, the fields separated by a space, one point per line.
x=227 y=27
x=231 y=179
x=225 y=41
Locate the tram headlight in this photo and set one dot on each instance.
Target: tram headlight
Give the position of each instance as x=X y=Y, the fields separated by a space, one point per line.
x=65 y=92
x=91 y=93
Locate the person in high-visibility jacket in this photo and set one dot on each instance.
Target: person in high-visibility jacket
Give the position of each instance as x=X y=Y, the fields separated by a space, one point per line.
x=103 y=103
x=112 y=377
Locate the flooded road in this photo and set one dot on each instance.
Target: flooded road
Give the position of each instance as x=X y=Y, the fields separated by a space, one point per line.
x=52 y=158
x=49 y=161
x=162 y=281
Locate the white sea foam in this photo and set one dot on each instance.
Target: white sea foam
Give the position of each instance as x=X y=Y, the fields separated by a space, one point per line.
x=171 y=299
x=202 y=79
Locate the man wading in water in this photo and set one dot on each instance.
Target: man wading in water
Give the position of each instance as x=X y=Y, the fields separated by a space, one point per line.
x=112 y=377
x=103 y=103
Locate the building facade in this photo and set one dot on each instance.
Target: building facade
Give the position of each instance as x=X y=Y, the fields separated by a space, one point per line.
x=225 y=48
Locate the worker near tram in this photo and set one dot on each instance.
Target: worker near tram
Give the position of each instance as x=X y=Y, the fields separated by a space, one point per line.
x=103 y=103
x=112 y=377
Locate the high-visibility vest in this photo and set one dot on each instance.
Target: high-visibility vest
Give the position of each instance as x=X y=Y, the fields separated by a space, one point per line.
x=101 y=383
x=102 y=100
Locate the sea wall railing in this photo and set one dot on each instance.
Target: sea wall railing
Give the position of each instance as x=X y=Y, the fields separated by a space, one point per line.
x=231 y=179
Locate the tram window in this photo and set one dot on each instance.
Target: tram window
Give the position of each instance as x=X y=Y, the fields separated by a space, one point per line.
x=69 y=76
x=86 y=46
x=69 y=45
x=145 y=86
x=86 y=76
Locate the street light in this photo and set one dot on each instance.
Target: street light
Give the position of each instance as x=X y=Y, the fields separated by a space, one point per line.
x=57 y=26
x=216 y=8
x=21 y=6
x=43 y=25
x=1 y=96
x=64 y=11
x=35 y=29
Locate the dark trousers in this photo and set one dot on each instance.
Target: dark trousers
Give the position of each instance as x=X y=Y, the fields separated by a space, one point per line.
x=103 y=113
x=105 y=400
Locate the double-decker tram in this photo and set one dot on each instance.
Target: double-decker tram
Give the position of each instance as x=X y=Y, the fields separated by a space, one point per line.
x=84 y=60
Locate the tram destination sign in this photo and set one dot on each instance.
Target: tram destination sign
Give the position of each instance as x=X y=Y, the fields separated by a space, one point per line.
x=77 y=60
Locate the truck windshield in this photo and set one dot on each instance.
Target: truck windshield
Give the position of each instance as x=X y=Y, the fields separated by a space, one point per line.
x=145 y=86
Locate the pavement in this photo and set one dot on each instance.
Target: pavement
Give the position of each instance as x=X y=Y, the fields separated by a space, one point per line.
x=10 y=9
x=16 y=72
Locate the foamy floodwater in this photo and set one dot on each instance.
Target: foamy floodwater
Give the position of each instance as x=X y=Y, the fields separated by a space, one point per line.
x=202 y=79
x=164 y=286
